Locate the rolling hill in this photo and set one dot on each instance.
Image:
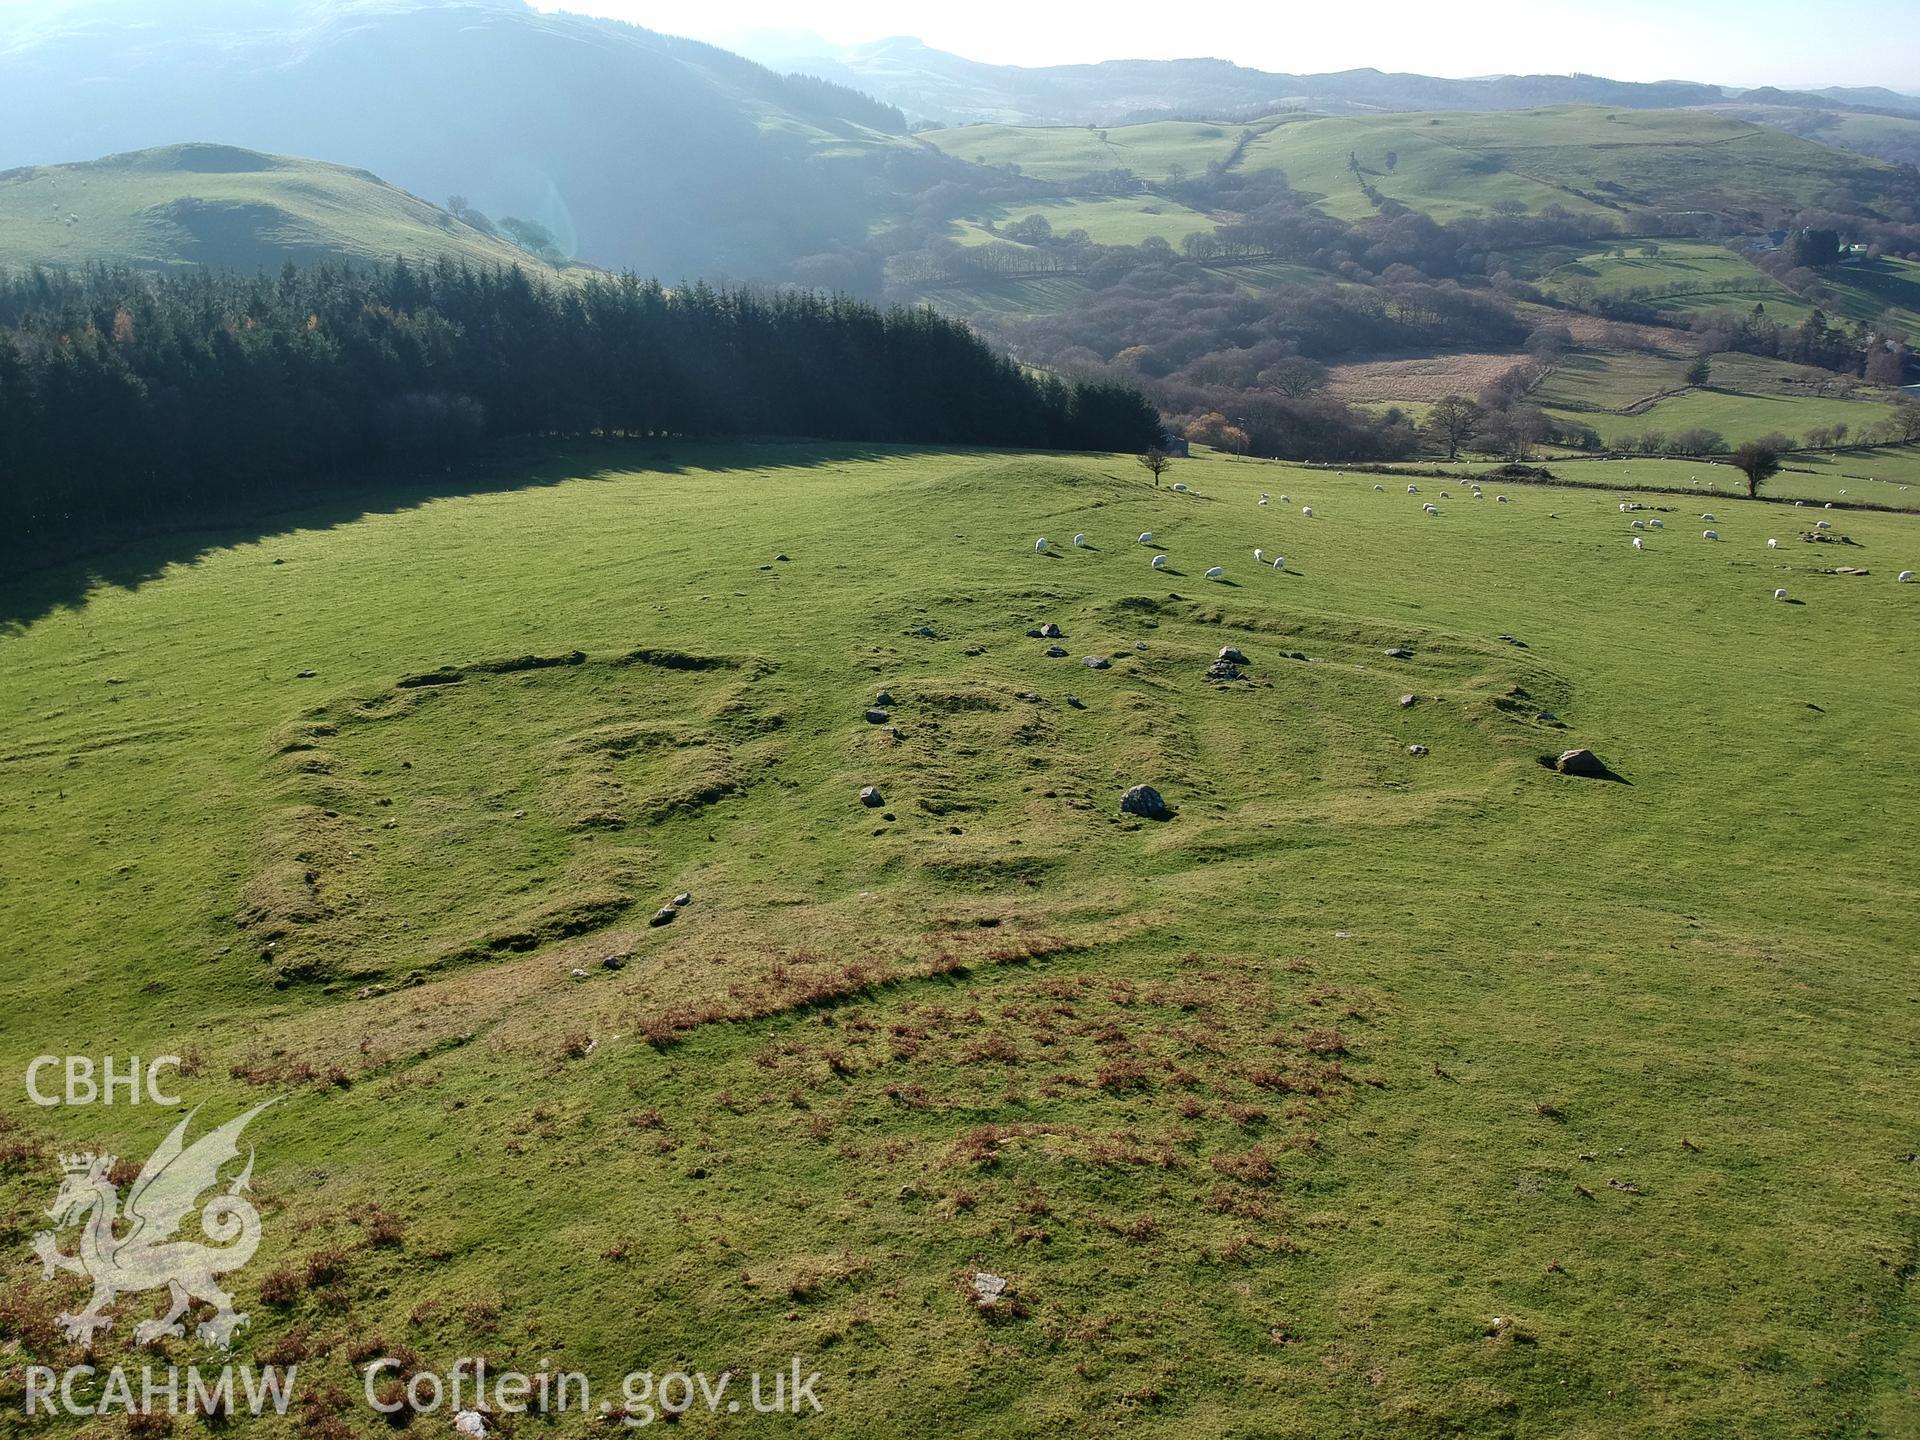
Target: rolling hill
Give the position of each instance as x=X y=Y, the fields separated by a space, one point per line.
x=225 y=208
x=1396 y=1086
x=1452 y=164
x=950 y=89
x=635 y=149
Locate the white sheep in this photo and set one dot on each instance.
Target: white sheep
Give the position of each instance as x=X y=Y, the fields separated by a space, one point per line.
x=1381 y=489
x=1905 y=577
x=1413 y=489
x=1798 y=503
x=1216 y=573
x=1179 y=489
x=1263 y=499
x=1638 y=525
x=1709 y=534
x=1823 y=524
x=1079 y=540
x=1307 y=510
x=1146 y=537
x=1827 y=506
x=1286 y=499
x=1478 y=496
x=1040 y=544
x=1656 y=524
x=1445 y=496
x=1638 y=543
x=1624 y=507
x=1431 y=508
x=1280 y=563
x=1779 y=594
x=1773 y=544
x=1256 y=553
x=1708 y=517
x=1159 y=562
x=1501 y=498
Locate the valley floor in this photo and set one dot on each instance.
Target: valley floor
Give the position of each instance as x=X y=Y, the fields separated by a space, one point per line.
x=1376 y=1093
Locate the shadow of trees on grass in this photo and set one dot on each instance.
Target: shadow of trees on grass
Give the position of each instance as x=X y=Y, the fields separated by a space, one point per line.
x=43 y=574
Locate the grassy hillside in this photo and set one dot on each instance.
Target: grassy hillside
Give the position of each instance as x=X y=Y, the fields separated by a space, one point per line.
x=1108 y=220
x=1448 y=165
x=1071 y=152
x=221 y=207
x=1688 y=277
x=1373 y=1094
x=635 y=149
x=1583 y=159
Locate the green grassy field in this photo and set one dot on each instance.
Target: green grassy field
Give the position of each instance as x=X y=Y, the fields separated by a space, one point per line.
x=1882 y=476
x=1747 y=397
x=1110 y=220
x=1072 y=152
x=1372 y=1095
x=1680 y=262
x=218 y=206
x=1584 y=159
x=1864 y=292
x=1736 y=416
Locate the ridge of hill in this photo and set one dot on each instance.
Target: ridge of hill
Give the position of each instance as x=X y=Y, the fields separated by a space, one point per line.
x=225 y=208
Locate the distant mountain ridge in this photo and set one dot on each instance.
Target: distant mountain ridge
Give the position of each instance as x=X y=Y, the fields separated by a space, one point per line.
x=939 y=87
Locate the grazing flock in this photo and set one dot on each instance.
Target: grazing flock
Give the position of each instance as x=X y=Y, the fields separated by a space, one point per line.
x=1641 y=527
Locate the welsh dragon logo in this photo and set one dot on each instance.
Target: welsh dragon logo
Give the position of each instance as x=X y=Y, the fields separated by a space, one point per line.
x=145 y=1255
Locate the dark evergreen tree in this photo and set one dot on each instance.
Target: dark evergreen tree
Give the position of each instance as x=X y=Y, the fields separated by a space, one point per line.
x=125 y=395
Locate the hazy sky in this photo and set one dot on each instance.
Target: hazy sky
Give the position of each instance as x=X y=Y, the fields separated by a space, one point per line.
x=1734 y=42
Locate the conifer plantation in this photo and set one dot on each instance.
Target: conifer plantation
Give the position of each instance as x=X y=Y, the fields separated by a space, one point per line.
x=124 y=395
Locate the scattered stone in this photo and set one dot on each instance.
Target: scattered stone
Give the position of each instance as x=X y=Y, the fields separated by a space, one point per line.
x=614 y=962
x=1845 y=570
x=519 y=814
x=1056 y=651
x=279 y=561
x=1097 y=662
x=1296 y=655
x=1547 y=717
x=470 y=1423
x=1398 y=653
x=1417 y=750
x=1223 y=670
x=871 y=797
x=663 y=916
x=781 y=558
x=1583 y=763
x=1407 y=702
x=925 y=632
x=1228 y=653
x=578 y=973
x=766 y=567
x=1146 y=802
x=987 y=1289
x=306 y=674
x=885 y=697
x=1049 y=631
x=1139 y=644
x=1076 y=702
x=877 y=716
x=682 y=900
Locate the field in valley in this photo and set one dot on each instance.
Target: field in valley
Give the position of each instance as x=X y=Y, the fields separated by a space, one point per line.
x=1374 y=1093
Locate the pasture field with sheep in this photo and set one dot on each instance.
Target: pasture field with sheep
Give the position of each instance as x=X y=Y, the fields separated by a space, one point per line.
x=1395 y=1085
